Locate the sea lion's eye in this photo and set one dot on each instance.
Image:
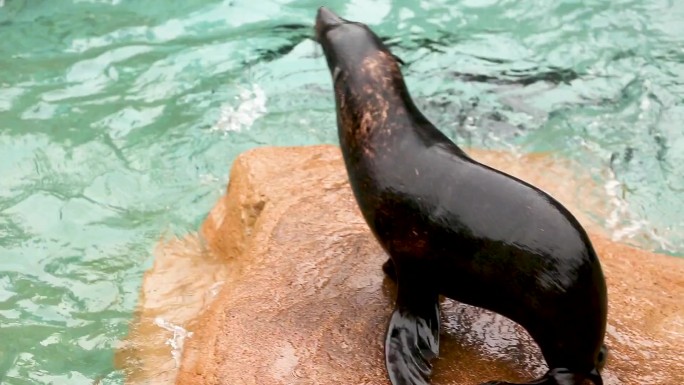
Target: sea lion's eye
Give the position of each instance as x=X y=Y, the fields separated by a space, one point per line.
x=337 y=72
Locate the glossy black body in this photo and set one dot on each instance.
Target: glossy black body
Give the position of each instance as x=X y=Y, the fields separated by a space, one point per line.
x=470 y=232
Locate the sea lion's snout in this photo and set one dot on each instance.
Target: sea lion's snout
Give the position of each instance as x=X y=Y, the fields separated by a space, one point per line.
x=325 y=20
x=347 y=45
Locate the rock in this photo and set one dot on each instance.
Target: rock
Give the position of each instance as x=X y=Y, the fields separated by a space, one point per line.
x=304 y=301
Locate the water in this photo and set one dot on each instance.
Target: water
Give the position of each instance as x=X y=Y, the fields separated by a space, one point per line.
x=119 y=120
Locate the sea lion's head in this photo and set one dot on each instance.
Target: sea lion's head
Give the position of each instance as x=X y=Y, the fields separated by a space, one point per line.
x=351 y=47
x=370 y=93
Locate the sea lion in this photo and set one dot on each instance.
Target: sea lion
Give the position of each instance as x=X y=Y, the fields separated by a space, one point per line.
x=456 y=227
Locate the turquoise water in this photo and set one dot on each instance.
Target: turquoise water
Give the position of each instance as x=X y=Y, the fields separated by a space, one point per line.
x=119 y=120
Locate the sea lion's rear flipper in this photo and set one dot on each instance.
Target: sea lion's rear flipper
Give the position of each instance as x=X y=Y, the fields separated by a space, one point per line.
x=558 y=376
x=390 y=270
x=412 y=342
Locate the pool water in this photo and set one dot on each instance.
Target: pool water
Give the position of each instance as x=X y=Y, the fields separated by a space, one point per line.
x=119 y=121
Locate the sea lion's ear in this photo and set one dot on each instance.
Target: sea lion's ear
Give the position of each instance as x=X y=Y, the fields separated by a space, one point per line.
x=398 y=59
x=337 y=72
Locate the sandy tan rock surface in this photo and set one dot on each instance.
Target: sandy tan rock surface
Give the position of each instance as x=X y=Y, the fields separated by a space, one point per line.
x=285 y=287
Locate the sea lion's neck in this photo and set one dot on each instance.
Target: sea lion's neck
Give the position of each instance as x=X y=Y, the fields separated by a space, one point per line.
x=373 y=99
x=375 y=109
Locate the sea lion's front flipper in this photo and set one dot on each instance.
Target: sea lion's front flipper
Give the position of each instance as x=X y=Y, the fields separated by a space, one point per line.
x=412 y=341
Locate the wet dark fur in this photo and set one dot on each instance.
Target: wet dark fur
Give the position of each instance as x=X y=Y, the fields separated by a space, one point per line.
x=455 y=227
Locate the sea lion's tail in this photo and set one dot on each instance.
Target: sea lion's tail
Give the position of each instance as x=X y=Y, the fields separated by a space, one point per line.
x=602 y=358
x=412 y=342
x=595 y=375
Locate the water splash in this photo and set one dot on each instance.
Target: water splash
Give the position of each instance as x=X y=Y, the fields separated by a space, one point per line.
x=251 y=105
x=622 y=222
x=177 y=340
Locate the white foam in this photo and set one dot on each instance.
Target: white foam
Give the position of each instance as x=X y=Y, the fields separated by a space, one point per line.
x=216 y=288
x=208 y=179
x=622 y=222
x=251 y=105
x=176 y=341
